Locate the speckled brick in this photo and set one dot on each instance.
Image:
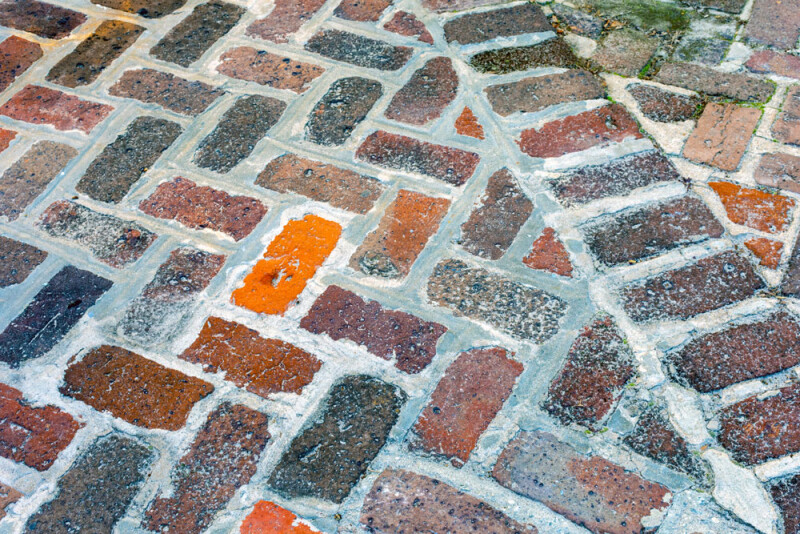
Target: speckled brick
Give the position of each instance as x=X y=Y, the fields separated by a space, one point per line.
x=8 y=496
x=578 y=21
x=774 y=23
x=17 y=261
x=756 y=209
x=42 y=105
x=660 y=105
x=656 y=438
x=407 y=24
x=150 y=9
x=16 y=56
x=361 y=10
x=359 y=50
x=715 y=83
x=625 y=52
x=467 y=124
x=551 y=53
x=269 y=518
x=6 y=136
x=548 y=253
x=167 y=90
x=346 y=434
x=286 y=17
x=779 y=170
x=442 y=6
x=791 y=281
x=722 y=135
x=341 y=109
x=771 y=62
x=264 y=68
x=786 y=494
x=766 y=250
x=539 y=92
x=40 y=18
x=504 y=22
x=426 y=94
x=786 y=127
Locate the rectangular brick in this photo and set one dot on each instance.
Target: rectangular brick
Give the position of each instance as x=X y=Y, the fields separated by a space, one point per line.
x=504 y=22
x=771 y=62
x=16 y=56
x=779 y=170
x=388 y=334
x=553 y=52
x=149 y=9
x=442 y=6
x=40 y=18
x=426 y=94
x=94 y=54
x=754 y=208
x=715 y=83
x=264 y=68
x=33 y=435
x=223 y=457
x=721 y=136
x=774 y=23
x=286 y=17
x=52 y=313
x=341 y=109
x=357 y=407
x=111 y=240
x=8 y=496
x=17 y=261
x=41 y=105
x=786 y=127
x=167 y=90
x=359 y=50
x=539 y=92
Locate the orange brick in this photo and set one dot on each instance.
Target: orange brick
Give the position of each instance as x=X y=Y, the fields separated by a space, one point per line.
x=289 y=263
x=467 y=124
x=549 y=254
x=269 y=518
x=767 y=250
x=754 y=208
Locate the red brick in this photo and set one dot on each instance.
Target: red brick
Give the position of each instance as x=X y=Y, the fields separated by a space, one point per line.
x=286 y=17
x=536 y=93
x=786 y=127
x=8 y=496
x=771 y=62
x=467 y=124
x=17 y=261
x=779 y=170
x=409 y=222
x=40 y=18
x=426 y=95
x=754 y=208
x=41 y=105
x=786 y=494
x=135 y=389
x=408 y=24
x=167 y=90
x=712 y=82
x=464 y=403
x=775 y=23
x=32 y=435
x=264 y=68
x=269 y=518
x=722 y=135
x=361 y=10
x=549 y=254
x=767 y=250
x=6 y=136
x=598 y=127
x=16 y=56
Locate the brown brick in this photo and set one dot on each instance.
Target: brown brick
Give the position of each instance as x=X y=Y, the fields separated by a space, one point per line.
x=408 y=24
x=361 y=10
x=625 y=51
x=539 y=92
x=285 y=18
x=359 y=50
x=786 y=127
x=786 y=493
x=590 y=491
x=551 y=53
x=409 y=222
x=715 y=83
x=388 y=334
x=548 y=253
x=779 y=170
x=754 y=208
x=464 y=403
x=426 y=95
x=201 y=207
x=660 y=105
x=722 y=135
x=8 y=496
x=774 y=23
x=342 y=108
x=40 y=18
x=493 y=226
x=167 y=90
x=467 y=124
x=402 y=501
x=504 y=22
x=41 y=105
x=766 y=250
x=17 y=261
x=265 y=68
x=32 y=435
x=223 y=457
x=150 y=9
x=393 y=151
x=771 y=62
x=16 y=56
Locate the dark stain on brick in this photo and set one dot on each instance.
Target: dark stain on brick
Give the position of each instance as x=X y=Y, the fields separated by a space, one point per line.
x=40 y=18
x=341 y=109
x=167 y=90
x=17 y=261
x=359 y=50
x=426 y=95
x=504 y=22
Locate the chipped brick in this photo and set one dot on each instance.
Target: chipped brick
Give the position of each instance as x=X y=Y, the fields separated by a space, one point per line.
x=661 y=105
x=548 y=253
x=407 y=24
x=539 y=92
x=341 y=109
x=361 y=10
x=41 y=105
x=771 y=62
x=786 y=494
x=504 y=22
x=149 y=9
x=426 y=95
x=625 y=52
x=779 y=170
x=359 y=50
x=774 y=23
x=467 y=124
x=167 y=90
x=17 y=261
x=286 y=17
x=721 y=136
x=264 y=68
x=16 y=56
x=40 y=18
x=656 y=438
x=269 y=518
x=786 y=127
x=766 y=250
x=754 y=208
x=551 y=53
x=715 y=83
x=8 y=496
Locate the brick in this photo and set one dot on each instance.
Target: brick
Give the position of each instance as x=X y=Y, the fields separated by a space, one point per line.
x=661 y=105
x=264 y=68
x=779 y=170
x=392 y=248
x=6 y=136
x=402 y=501
x=598 y=127
x=493 y=226
x=194 y=35
x=706 y=285
x=398 y=152
x=17 y=261
x=122 y=163
x=791 y=281
x=426 y=94
x=359 y=50
x=619 y=177
x=650 y=231
x=41 y=105
x=269 y=518
x=590 y=491
x=108 y=475
x=786 y=127
x=345 y=435
x=291 y=259
x=754 y=208
x=149 y=9
x=201 y=207
x=721 y=136
x=539 y=92
x=590 y=384
x=321 y=182
x=245 y=123
x=52 y=313
x=33 y=435
x=404 y=23
x=504 y=22
x=786 y=494
x=715 y=83
x=361 y=10
x=464 y=403
x=441 y=6
x=578 y=21
x=467 y=124
x=286 y=17
x=625 y=52
x=766 y=250
x=388 y=334
x=729 y=6
x=771 y=62
x=8 y=496
x=515 y=309
x=774 y=23
x=31 y=174
x=167 y=90
x=548 y=253
x=341 y=109
x=759 y=429
x=40 y=18
x=94 y=54
x=551 y=53
x=16 y=56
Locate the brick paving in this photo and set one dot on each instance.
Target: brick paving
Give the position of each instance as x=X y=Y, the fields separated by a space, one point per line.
x=394 y=266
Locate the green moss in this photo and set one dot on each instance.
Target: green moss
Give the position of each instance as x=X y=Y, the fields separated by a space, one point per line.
x=645 y=15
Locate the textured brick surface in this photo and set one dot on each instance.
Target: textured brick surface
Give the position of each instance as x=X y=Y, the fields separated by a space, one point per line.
x=504 y=22
x=786 y=494
x=264 y=68
x=361 y=10
x=721 y=136
x=625 y=52
x=787 y=126
x=359 y=50
x=548 y=253
x=767 y=250
x=551 y=53
x=8 y=496
x=167 y=90
x=17 y=261
x=774 y=23
x=771 y=62
x=779 y=170
x=715 y=83
x=341 y=109
x=405 y=23
x=145 y=8
x=286 y=17
x=429 y=91
x=754 y=208
x=16 y=56
x=468 y=124
x=41 y=105
x=656 y=438
x=540 y=92
x=664 y=106
x=269 y=518
x=41 y=18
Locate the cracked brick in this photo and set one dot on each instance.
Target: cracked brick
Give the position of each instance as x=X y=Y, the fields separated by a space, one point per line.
x=625 y=51
x=426 y=94
x=721 y=136
x=467 y=124
x=17 y=261
x=42 y=105
x=343 y=107
x=264 y=68
x=359 y=50
x=539 y=92
x=171 y=92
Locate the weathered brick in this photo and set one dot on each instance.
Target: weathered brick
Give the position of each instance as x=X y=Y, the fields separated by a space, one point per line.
x=402 y=501
x=754 y=208
x=598 y=127
x=516 y=309
x=779 y=170
x=441 y=6
x=539 y=92
x=149 y=9
x=358 y=50
x=464 y=403
x=17 y=261
x=322 y=182
x=404 y=23
x=409 y=222
x=285 y=18
x=269 y=518
x=715 y=83
x=650 y=231
x=578 y=21
x=394 y=151
x=16 y=56
x=786 y=127
x=388 y=334
x=361 y=10
x=766 y=250
x=108 y=475
x=721 y=136
x=42 y=105
x=504 y=22
x=730 y=6
x=591 y=491
x=774 y=23
x=189 y=40
x=426 y=95
x=345 y=435
x=51 y=314
x=706 y=285
x=123 y=162
x=791 y=280
x=625 y=51
x=786 y=494
x=660 y=105
x=40 y=18
x=6 y=136
x=8 y=496
x=548 y=253
x=598 y=366
x=223 y=457
x=771 y=62
x=493 y=226
x=467 y=124
x=32 y=435
x=341 y=109
x=291 y=259
x=167 y=90
x=656 y=438
x=30 y=175
x=551 y=53
x=265 y=68
x=94 y=54
x=201 y=207
x=133 y=388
